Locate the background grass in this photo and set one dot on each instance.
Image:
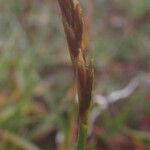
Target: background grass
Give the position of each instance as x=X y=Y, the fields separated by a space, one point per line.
x=36 y=98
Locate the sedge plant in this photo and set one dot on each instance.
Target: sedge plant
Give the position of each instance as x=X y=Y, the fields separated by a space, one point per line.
x=73 y=23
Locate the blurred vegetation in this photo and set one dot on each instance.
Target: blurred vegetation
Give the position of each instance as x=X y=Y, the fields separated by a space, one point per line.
x=37 y=103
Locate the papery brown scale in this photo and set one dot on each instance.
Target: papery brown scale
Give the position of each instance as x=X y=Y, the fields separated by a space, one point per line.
x=85 y=77
x=78 y=25
x=71 y=39
x=73 y=24
x=85 y=80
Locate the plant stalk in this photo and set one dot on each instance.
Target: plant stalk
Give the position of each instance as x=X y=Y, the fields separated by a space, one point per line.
x=82 y=136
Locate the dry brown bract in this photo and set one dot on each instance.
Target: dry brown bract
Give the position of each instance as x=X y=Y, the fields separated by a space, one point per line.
x=73 y=24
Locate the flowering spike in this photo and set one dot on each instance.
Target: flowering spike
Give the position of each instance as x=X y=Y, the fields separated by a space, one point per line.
x=73 y=26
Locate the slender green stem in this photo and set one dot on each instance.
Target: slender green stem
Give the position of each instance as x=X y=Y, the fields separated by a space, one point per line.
x=82 y=136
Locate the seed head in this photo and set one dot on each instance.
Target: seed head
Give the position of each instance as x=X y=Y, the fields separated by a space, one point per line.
x=73 y=26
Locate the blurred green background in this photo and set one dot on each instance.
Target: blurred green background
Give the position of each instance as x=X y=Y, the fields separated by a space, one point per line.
x=36 y=77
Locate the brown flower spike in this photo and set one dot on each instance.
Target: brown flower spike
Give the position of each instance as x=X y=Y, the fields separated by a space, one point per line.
x=74 y=27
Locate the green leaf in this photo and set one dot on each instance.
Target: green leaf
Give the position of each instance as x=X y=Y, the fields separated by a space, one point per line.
x=18 y=140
